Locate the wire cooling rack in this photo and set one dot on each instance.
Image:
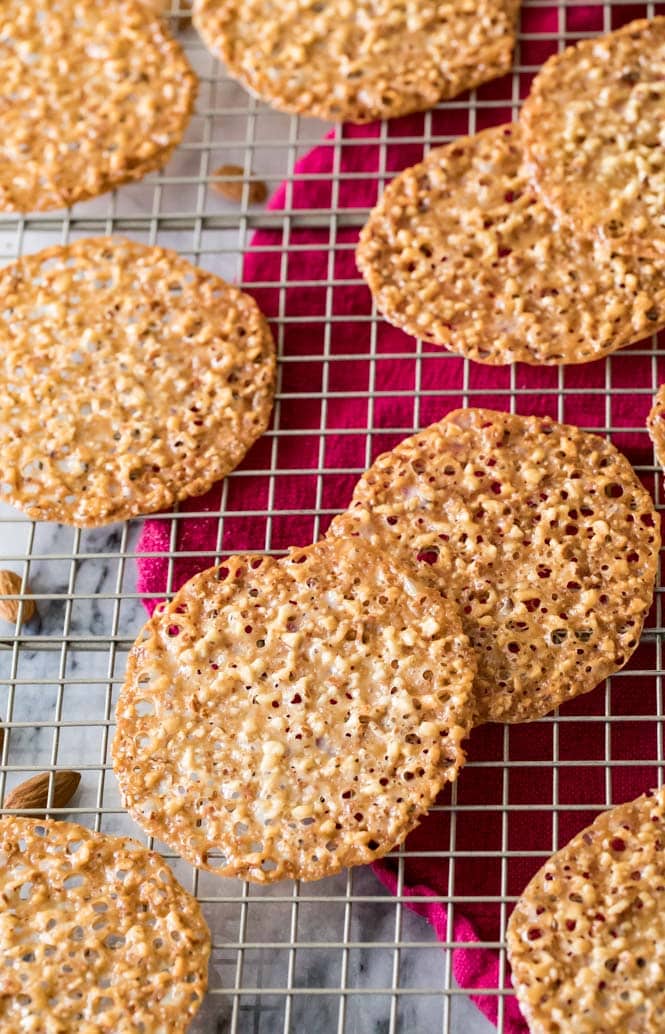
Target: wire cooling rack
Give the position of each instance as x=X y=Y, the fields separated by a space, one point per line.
x=341 y=955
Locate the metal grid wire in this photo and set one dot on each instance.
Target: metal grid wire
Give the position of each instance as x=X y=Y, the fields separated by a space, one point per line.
x=340 y=955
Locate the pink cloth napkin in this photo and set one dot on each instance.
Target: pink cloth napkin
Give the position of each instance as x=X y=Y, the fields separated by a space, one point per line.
x=492 y=852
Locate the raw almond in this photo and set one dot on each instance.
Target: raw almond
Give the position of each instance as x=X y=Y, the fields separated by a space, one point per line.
x=10 y=585
x=230 y=181
x=33 y=793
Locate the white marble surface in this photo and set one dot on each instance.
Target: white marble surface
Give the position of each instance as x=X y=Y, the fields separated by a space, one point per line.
x=60 y=700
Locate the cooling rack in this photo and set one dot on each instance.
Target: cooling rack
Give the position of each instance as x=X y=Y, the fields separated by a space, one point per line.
x=342 y=955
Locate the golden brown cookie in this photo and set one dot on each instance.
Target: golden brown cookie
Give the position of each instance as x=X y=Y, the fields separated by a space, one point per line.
x=291 y=717
x=593 y=134
x=95 y=934
x=94 y=94
x=359 y=60
x=130 y=379
x=542 y=533
x=461 y=252
x=585 y=941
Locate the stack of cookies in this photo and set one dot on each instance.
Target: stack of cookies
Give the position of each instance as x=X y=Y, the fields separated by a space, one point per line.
x=541 y=242
x=542 y=534
x=290 y=717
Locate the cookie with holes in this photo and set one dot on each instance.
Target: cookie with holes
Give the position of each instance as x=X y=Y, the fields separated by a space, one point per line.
x=593 y=133
x=542 y=533
x=460 y=251
x=130 y=380
x=287 y=718
x=95 y=933
x=93 y=95
x=585 y=940
x=359 y=60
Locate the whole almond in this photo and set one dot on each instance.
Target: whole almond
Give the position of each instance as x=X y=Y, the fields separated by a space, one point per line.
x=179 y=21
x=33 y=793
x=10 y=585
x=230 y=180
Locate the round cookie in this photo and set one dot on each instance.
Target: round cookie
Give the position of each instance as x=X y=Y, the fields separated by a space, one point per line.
x=461 y=252
x=287 y=718
x=95 y=933
x=542 y=533
x=358 y=60
x=94 y=94
x=593 y=133
x=585 y=940
x=130 y=379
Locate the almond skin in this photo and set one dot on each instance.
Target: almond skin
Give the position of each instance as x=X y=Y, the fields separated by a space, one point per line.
x=10 y=585
x=33 y=793
x=229 y=182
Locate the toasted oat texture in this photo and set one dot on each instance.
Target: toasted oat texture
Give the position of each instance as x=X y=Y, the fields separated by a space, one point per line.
x=586 y=939
x=461 y=252
x=129 y=379
x=359 y=60
x=96 y=934
x=94 y=94
x=594 y=133
x=291 y=717
x=542 y=534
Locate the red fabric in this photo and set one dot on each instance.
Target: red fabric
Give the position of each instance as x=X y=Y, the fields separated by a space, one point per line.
x=314 y=257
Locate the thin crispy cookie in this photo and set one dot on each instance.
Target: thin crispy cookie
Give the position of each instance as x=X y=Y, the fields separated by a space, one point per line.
x=129 y=379
x=543 y=535
x=359 y=60
x=461 y=252
x=585 y=941
x=593 y=131
x=95 y=934
x=94 y=94
x=289 y=718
